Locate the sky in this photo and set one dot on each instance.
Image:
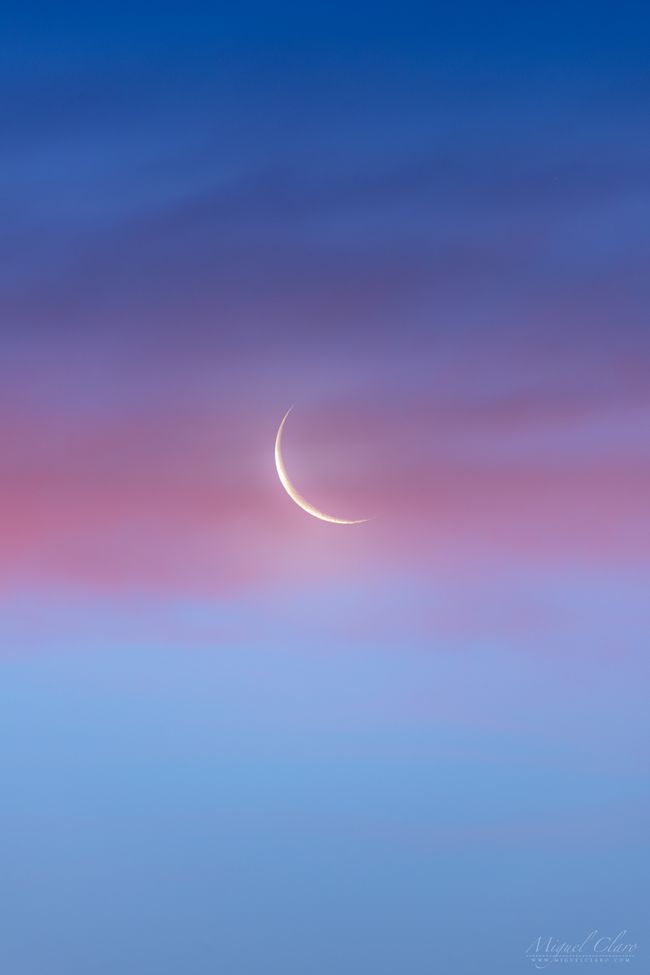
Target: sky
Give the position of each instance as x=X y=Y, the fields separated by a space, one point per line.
x=238 y=739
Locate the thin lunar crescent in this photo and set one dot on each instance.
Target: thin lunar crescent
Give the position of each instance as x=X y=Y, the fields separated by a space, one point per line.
x=291 y=491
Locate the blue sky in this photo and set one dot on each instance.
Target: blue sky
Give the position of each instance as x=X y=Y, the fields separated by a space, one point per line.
x=235 y=739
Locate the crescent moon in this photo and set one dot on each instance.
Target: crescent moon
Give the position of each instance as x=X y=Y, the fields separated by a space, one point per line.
x=291 y=491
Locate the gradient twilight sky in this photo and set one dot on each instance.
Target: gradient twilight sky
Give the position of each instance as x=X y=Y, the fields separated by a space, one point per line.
x=238 y=740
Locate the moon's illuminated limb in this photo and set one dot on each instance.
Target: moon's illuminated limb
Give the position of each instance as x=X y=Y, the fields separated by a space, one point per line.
x=291 y=491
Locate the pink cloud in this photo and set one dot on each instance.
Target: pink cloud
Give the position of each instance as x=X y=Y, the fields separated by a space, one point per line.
x=186 y=495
